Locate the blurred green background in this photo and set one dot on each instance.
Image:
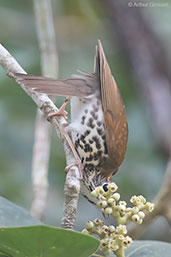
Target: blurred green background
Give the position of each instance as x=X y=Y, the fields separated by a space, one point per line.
x=78 y=25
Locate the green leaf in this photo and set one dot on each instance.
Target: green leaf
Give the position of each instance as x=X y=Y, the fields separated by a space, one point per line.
x=45 y=241
x=2 y=254
x=12 y=215
x=21 y=235
x=149 y=249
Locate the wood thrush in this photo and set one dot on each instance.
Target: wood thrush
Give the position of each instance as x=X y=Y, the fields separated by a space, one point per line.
x=98 y=127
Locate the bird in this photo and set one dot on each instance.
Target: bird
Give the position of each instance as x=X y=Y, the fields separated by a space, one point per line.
x=98 y=126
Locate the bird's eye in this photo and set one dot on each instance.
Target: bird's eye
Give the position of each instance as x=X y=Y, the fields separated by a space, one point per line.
x=105 y=187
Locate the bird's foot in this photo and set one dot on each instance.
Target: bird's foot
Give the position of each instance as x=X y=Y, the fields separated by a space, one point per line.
x=78 y=164
x=61 y=112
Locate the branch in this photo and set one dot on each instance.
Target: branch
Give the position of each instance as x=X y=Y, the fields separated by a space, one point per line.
x=71 y=192
x=45 y=104
x=46 y=37
x=162 y=206
x=49 y=67
x=40 y=159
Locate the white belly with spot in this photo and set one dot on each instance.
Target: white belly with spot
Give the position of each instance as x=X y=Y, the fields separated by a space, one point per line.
x=87 y=129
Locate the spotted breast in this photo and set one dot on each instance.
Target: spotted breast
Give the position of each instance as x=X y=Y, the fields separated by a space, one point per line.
x=88 y=131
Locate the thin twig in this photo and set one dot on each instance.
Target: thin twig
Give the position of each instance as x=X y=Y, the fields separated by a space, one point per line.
x=49 y=67
x=97 y=255
x=47 y=106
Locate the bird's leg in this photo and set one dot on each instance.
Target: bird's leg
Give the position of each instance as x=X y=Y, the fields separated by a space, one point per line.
x=67 y=137
x=76 y=156
x=61 y=111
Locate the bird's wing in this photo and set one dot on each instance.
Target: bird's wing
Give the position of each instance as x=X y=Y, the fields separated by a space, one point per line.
x=67 y=87
x=114 y=112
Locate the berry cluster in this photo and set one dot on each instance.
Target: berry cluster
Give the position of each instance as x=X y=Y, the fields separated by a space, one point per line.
x=115 y=239
x=109 y=202
x=112 y=239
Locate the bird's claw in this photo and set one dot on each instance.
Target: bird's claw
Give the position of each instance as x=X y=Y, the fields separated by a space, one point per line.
x=78 y=164
x=61 y=112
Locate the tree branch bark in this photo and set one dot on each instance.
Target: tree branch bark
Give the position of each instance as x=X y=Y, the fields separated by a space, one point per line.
x=45 y=104
x=49 y=67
